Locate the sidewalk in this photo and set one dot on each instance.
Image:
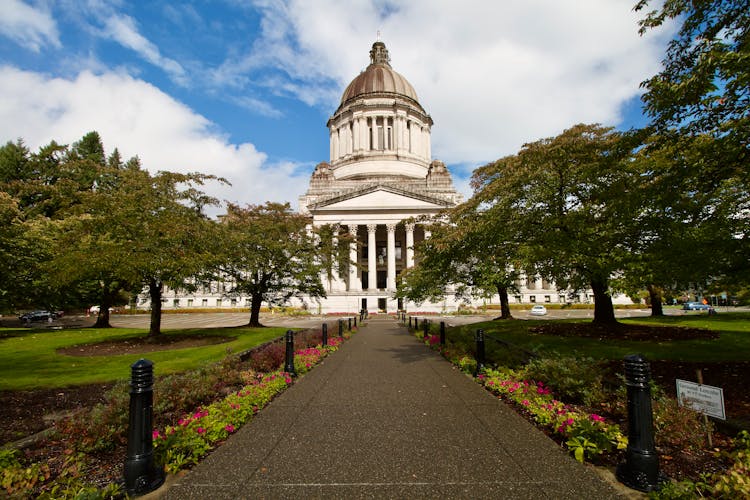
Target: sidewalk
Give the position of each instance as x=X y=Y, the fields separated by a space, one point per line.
x=384 y=417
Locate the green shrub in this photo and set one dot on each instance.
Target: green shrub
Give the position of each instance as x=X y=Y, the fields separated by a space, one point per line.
x=573 y=380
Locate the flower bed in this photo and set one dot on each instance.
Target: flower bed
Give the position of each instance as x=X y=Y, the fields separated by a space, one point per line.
x=92 y=441
x=590 y=437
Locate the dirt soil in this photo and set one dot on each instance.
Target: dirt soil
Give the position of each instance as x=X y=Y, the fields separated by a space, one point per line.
x=24 y=413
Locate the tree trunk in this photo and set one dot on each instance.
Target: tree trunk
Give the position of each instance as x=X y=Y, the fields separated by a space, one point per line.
x=504 y=305
x=105 y=302
x=654 y=295
x=604 y=311
x=256 y=299
x=154 y=289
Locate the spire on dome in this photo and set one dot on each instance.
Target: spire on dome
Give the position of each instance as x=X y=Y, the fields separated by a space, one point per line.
x=379 y=54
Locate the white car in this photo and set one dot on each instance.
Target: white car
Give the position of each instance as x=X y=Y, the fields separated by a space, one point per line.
x=95 y=309
x=538 y=311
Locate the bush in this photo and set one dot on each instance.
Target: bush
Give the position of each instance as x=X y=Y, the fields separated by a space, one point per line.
x=574 y=380
x=677 y=427
x=268 y=358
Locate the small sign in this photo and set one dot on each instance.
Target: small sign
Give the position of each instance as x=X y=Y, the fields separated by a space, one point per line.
x=706 y=399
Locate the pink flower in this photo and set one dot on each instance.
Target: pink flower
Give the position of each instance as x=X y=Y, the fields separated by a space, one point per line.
x=525 y=402
x=229 y=428
x=491 y=382
x=183 y=422
x=155 y=434
x=596 y=418
x=200 y=430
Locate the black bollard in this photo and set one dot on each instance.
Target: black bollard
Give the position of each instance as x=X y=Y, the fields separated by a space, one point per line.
x=341 y=328
x=641 y=468
x=479 y=338
x=355 y=322
x=425 y=328
x=350 y=325
x=409 y=322
x=289 y=363
x=325 y=333
x=442 y=333
x=141 y=476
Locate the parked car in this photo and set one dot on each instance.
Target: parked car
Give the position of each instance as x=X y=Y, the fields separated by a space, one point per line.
x=695 y=306
x=538 y=311
x=38 y=316
x=95 y=309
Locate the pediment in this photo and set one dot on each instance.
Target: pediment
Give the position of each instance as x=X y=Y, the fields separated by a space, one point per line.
x=381 y=198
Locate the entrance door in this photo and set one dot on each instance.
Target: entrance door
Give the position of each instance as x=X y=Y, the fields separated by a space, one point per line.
x=364 y=304
x=382 y=304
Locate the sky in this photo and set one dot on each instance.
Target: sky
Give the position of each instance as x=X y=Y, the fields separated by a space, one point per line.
x=243 y=89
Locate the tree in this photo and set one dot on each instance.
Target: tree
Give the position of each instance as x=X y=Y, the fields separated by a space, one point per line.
x=567 y=202
x=465 y=256
x=699 y=106
x=268 y=254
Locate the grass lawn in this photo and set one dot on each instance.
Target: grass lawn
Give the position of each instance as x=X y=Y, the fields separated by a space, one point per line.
x=733 y=343
x=28 y=358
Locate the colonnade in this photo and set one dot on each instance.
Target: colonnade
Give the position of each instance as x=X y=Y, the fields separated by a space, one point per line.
x=396 y=133
x=377 y=256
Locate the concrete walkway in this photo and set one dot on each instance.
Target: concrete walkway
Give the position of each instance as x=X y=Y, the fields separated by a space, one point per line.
x=385 y=417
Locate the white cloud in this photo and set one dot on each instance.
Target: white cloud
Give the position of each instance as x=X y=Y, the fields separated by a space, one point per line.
x=138 y=119
x=29 y=27
x=493 y=75
x=124 y=31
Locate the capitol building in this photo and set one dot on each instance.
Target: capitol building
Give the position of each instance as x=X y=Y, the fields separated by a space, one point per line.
x=381 y=177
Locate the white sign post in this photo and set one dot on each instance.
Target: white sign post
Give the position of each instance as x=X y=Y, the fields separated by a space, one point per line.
x=705 y=399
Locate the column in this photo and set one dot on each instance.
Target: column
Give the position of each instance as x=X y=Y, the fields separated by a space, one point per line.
x=363 y=134
x=332 y=151
x=410 y=245
x=391 y=256
x=335 y=282
x=355 y=134
x=372 y=268
x=427 y=233
x=397 y=134
x=354 y=283
x=428 y=145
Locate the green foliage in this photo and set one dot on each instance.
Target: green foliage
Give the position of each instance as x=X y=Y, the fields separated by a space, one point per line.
x=577 y=380
x=730 y=484
x=267 y=253
x=567 y=203
x=16 y=478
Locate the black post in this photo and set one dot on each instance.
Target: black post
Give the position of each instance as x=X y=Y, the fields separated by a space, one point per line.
x=355 y=321
x=409 y=322
x=341 y=328
x=350 y=325
x=425 y=328
x=442 y=333
x=141 y=476
x=479 y=338
x=641 y=468
x=289 y=364
x=325 y=333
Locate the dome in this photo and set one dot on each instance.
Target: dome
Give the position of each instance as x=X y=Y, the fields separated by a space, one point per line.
x=379 y=78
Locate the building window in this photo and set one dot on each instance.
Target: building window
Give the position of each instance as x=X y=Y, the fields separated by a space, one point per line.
x=204 y=302
x=218 y=302
x=398 y=250
x=176 y=303
x=248 y=302
x=519 y=299
x=532 y=298
x=234 y=302
x=548 y=298
x=190 y=302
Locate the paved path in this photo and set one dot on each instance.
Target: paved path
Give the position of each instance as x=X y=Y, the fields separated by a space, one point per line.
x=384 y=417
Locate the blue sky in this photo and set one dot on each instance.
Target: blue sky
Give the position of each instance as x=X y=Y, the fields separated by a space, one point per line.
x=243 y=89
